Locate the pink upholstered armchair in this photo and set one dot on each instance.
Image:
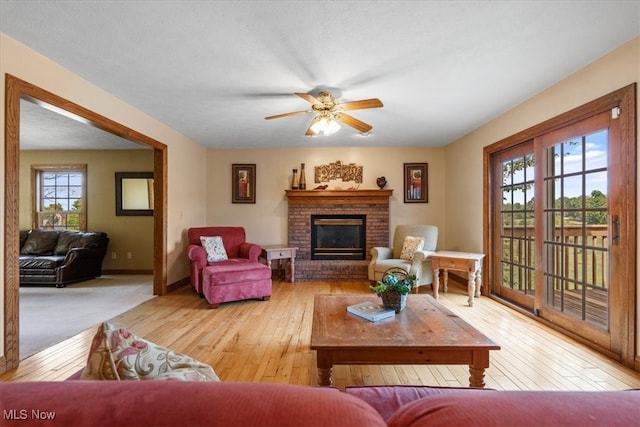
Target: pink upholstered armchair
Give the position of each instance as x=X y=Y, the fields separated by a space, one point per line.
x=240 y=276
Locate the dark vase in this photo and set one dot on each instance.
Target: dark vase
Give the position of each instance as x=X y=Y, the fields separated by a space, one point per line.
x=382 y=182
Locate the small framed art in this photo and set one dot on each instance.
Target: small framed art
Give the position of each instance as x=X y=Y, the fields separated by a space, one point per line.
x=243 y=183
x=416 y=189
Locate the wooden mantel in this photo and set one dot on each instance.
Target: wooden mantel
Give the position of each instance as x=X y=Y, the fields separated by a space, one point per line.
x=332 y=197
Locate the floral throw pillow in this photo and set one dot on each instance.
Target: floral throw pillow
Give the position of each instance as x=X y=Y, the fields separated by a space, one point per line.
x=117 y=354
x=214 y=248
x=410 y=246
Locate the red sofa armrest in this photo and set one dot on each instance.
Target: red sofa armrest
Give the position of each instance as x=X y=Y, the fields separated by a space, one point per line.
x=197 y=255
x=251 y=251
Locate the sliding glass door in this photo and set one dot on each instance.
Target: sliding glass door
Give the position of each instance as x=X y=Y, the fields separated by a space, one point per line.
x=562 y=236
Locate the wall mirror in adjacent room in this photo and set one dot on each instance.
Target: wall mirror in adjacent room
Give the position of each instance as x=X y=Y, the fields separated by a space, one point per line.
x=134 y=193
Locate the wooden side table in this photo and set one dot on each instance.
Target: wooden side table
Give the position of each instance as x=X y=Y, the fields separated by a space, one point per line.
x=464 y=261
x=280 y=253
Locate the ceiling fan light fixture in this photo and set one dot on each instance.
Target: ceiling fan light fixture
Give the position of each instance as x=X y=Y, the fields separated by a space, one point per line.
x=325 y=125
x=330 y=112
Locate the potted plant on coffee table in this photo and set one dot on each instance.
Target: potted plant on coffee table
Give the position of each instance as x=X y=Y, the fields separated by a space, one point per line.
x=393 y=288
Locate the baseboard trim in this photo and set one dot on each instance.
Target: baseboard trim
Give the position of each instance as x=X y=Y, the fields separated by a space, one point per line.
x=178 y=284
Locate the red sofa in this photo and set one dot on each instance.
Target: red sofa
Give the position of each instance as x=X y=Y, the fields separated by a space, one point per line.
x=183 y=403
x=236 y=278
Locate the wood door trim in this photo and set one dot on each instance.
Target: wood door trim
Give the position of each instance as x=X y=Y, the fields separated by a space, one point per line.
x=15 y=89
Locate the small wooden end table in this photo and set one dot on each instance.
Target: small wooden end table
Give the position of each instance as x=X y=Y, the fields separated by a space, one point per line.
x=425 y=333
x=463 y=261
x=280 y=253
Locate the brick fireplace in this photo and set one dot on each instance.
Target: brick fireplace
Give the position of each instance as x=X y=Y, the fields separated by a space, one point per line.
x=373 y=204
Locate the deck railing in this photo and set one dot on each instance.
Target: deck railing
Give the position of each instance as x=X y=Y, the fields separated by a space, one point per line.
x=579 y=253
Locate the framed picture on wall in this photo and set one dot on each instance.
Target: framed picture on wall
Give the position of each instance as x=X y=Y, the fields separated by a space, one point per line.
x=416 y=189
x=243 y=183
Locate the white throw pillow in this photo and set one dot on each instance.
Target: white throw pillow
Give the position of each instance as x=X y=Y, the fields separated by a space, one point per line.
x=410 y=246
x=214 y=247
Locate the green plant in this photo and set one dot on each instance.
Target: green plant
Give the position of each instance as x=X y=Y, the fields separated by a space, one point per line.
x=397 y=281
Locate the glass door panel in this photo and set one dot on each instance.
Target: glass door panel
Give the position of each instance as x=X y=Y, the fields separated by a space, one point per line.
x=517 y=222
x=576 y=231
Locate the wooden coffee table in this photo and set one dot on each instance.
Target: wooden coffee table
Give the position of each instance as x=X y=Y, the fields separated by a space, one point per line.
x=424 y=333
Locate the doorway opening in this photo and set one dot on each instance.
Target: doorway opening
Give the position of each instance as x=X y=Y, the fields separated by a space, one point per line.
x=15 y=90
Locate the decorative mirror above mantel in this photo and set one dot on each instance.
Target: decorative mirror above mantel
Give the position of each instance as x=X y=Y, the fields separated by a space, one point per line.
x=134 y=193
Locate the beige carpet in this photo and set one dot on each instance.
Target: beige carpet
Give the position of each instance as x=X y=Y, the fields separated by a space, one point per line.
x=49 y=315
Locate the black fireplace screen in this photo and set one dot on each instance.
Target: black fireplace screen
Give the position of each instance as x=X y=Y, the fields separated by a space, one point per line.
x=338 y=237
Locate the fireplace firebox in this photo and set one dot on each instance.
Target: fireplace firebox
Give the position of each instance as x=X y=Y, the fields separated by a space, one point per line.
x=338 y=237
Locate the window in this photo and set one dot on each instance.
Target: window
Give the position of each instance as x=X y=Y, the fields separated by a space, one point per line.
x=59 y=197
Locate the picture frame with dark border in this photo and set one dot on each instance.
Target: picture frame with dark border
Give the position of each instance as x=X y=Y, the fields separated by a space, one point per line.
x=134 y=193
x=416 y=188
x=243 y=183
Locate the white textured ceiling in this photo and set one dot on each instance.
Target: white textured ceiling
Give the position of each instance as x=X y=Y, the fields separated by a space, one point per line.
x=43 y=129
x=213 y=70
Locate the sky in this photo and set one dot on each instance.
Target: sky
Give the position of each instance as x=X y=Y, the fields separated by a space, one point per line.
x=595 y=157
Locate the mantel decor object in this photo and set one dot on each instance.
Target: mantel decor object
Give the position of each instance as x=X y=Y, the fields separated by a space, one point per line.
x=381 y=182
x=303 y=178
x=394 y=288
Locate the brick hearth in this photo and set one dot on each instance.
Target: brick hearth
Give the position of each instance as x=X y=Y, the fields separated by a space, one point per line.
x=303 y=203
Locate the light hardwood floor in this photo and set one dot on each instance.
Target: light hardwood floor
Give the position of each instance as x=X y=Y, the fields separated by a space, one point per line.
x=268 y=341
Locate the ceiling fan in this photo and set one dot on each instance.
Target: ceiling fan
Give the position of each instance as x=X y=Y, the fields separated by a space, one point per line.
x=329 y=110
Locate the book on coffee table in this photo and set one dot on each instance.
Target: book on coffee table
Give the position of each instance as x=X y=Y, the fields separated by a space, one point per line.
x=370 y=311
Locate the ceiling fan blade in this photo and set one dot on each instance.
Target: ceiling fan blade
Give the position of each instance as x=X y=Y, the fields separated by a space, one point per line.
x=361 y=105
x=295 y=113
x=309 y=98
x=353 y=122
x=309 y=132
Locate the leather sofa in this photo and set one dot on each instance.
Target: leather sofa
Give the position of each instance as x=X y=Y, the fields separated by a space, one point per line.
x=60 y=257
x=238 y=276
x=187 y=403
